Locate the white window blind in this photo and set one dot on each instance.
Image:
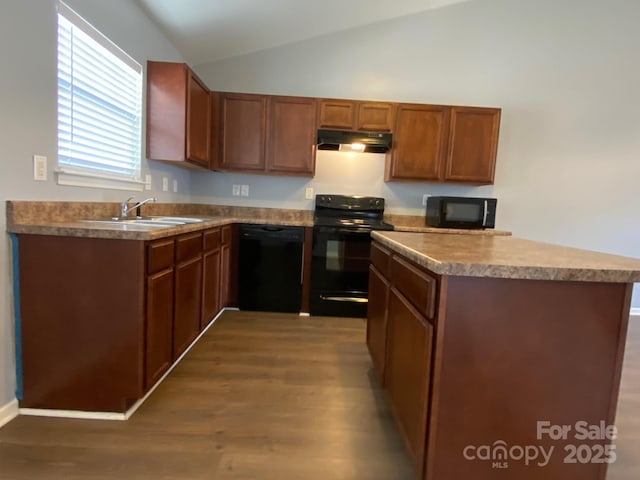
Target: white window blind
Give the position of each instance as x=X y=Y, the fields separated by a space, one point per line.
x=99 y=103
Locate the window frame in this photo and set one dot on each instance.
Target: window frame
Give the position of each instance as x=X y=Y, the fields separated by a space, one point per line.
x=96 y=177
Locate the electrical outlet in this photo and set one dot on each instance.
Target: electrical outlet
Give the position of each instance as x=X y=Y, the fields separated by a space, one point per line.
x=424 y=199
x=235 y=190
x=147 y=182
x=165 y=184
x=244 y=190
x=40 y=168
x=308 y=193
x=175 y=185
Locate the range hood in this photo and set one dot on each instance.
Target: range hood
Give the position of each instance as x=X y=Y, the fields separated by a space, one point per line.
x=373 y=142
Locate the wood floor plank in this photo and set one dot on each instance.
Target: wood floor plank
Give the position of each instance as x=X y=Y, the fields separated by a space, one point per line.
x=260 y=397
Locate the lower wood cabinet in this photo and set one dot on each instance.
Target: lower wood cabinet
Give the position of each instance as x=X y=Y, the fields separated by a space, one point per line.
x=400 y=342
x=408 y=373
x=126 y=309
x=187 y=310
x=159 y=311
x=474 y=361
x=228 y=274
x=377 y=320
x=211 y=280
x=159 y=334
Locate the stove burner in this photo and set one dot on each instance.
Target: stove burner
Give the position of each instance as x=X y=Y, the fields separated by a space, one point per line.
x=350 y=211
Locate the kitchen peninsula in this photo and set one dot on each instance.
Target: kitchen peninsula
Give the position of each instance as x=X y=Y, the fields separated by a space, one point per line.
x=479 y=340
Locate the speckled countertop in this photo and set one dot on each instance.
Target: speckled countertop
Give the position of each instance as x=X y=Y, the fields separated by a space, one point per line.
x=508 y=257
x=64 y=219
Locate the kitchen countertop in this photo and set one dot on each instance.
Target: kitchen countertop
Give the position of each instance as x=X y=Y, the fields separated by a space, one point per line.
x=508 y=257
x=64 y=219
x=138 y=232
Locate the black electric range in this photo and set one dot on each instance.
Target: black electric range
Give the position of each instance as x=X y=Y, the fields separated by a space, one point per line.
x=340 y=257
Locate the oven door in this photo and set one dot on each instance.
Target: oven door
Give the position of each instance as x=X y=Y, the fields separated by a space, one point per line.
x=340 y=271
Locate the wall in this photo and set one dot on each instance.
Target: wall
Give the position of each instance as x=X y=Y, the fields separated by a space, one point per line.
x=564 y=73
x=28 y=121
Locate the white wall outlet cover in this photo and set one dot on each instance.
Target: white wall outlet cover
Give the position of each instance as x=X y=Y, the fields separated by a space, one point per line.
x=147 y=182
x=165 y=184
x=235 y=191
x=40 y=168
x=424 y=199
x=244 y=190
x=308 y=193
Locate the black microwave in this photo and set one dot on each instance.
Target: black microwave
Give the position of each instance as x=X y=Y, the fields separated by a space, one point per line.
x=461 y=212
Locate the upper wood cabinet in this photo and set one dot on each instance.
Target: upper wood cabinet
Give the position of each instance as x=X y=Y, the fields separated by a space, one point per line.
x=242 y=131
x=356 y=115
x=473 y=144
x=419 y=143
x=441 y=143
x=266 y=134
x=178 y=115
x=291 y=143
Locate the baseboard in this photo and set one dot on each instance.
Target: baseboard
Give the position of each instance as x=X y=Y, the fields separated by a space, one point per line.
x=40 y=412
x=8 y=412
x=635 y=311
x=46 y=412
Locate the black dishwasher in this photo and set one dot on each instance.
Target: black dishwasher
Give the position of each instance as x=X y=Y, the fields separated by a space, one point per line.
x=270 y=268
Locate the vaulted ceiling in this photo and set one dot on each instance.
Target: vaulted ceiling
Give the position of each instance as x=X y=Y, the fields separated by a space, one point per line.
x=209 y=30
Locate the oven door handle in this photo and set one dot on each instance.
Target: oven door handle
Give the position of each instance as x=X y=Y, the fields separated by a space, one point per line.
x=363 y=231
x=344 y=299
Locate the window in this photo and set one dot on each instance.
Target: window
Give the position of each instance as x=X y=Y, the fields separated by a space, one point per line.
x=99 y=108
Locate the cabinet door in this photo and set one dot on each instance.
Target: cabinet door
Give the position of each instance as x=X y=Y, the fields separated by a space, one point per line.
x=159 y=326
x=419 y=143
x=210 y=286
x=243 y=125
x=188 y=294
x=338 y=114
x=198 y=121
x=292 y=135
x=166 y=101
x=375 y=117
x=377 y=320
x=408 y=372
x=227 y=273
x=473 y=144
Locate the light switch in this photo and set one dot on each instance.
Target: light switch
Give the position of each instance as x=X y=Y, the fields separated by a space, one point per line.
x=424 y=199
x=40 y=168
x=244 y=190
x=165 y=184
x=236 y=190
x=147 y=182
x=175 y=185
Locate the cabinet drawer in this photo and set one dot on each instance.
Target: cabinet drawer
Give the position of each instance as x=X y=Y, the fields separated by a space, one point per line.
x=416 y=285
x=159 y=255
x=212 y=239
x=380 y=257
x=188 y=246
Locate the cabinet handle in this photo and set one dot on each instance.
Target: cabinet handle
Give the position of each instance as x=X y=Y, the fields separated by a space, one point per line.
x=345 y=299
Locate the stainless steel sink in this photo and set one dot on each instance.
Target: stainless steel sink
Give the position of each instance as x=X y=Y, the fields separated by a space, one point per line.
x=155 y=221
x=177 y=220
x=133 y=223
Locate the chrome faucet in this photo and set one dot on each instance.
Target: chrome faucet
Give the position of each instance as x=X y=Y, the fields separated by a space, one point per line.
x=124 y=207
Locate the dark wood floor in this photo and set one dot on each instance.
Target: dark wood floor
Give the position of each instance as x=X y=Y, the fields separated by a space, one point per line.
x=261 y=396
